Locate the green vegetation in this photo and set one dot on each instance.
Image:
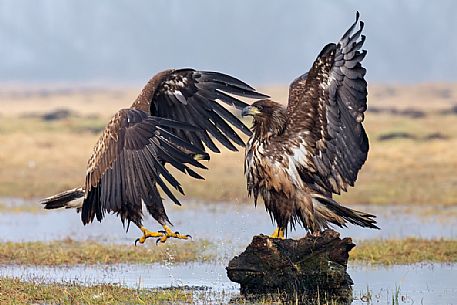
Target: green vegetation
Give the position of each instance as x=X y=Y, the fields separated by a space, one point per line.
x=405 y=251
x=15 y=291
x=69 y=252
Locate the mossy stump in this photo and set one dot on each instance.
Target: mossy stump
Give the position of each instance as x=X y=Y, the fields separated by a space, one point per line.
x=310 y=268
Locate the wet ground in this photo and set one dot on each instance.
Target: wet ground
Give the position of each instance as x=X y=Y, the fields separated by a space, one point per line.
x=415 y=284
x=231 y=227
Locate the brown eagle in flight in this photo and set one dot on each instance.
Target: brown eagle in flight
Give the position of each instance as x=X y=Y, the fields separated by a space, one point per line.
x=299 y=155
x=170 y=122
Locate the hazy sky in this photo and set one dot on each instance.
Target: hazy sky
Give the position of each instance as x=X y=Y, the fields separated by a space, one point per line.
x=260 y=41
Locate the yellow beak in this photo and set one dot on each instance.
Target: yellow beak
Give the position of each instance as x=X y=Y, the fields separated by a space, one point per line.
x=250 y=110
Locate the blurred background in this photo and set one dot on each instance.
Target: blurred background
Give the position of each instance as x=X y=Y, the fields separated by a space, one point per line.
x=262 y=41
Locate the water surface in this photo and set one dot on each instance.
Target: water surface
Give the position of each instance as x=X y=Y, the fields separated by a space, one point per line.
x=231 y=227
x=223 y=223
x=416 y=284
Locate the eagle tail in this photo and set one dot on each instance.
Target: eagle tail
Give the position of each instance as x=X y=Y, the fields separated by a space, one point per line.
x=343 y=214
x=68 y=199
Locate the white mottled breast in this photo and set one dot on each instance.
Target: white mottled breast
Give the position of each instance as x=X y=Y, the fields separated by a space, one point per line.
x=263 y=172
x=269 y=166
x=251 y=161
x=254 y=170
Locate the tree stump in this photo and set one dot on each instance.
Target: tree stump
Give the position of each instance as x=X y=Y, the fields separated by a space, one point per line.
x=307 y=269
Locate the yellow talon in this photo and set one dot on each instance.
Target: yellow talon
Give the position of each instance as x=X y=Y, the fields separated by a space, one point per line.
x=146 y=235
x=278 y=233
x=170 y=234
x=162 y=235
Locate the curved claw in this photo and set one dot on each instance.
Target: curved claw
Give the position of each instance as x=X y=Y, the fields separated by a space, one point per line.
x=189 y=236
x=136 y=240
x=157 y=241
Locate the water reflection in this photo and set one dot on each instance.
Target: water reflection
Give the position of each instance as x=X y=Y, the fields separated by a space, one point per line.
x=418 y=284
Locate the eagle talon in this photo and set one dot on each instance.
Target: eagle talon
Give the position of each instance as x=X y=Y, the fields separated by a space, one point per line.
x=278 y=233
x=162 y=235
x=147 y=234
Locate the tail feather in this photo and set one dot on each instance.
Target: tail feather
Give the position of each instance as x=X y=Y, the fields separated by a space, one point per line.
x=352 y=216
x=68 y=199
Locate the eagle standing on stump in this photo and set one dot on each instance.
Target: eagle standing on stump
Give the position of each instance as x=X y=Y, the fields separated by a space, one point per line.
x=299 y=156
x=169 y=123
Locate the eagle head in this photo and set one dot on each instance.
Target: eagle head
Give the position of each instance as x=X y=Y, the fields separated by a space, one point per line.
x=262 y=108
x=269 y=117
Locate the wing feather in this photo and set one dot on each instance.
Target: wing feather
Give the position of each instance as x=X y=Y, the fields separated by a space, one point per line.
x=326 y=110
x=195 y=97
x=129 y=159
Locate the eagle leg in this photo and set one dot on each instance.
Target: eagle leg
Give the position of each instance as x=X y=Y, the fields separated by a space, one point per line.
x=147 y=234
x=161 y=236
x=168 y=233
x=278 y=233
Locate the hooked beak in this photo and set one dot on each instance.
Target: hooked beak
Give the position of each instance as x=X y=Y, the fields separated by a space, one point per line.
x=250 y=110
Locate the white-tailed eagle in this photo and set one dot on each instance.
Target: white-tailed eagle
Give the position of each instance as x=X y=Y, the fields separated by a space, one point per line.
x=299 y=155
x=170 y=122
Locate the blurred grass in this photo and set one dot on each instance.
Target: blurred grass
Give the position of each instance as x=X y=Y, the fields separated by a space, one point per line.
x=405 y=251
x=21 y=208
x=40 y=158
x=70 y=252
x=16 y=291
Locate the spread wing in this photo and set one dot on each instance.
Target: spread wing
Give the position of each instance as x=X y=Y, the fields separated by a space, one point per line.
x=326 y=109
x=129 y=159
x=195 y=97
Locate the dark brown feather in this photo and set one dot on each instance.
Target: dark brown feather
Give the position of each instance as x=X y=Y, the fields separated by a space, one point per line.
x=127 y=162
x=297 y=157
x=192 y=96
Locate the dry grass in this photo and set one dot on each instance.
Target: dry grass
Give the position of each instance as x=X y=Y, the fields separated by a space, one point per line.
x=405 y=251
x=42 y=99
x=20 y=208
x=40 y=158
x=15 y=291
x=69 y=252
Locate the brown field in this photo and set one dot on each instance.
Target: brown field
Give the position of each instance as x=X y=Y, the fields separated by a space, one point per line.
x=39 y=158
x=70 y=252
x=405 y=251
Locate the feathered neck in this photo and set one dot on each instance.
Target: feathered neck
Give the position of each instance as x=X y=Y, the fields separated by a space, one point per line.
x=265 y=127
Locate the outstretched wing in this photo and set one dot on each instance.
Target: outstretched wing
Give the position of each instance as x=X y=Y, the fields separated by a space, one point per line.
x=328 y=144
x=194 y=97
x=129 y=160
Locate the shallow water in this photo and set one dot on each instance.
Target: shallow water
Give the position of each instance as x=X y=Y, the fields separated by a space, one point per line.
x=234 y=224
x=417 y=284
x=231 y=227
